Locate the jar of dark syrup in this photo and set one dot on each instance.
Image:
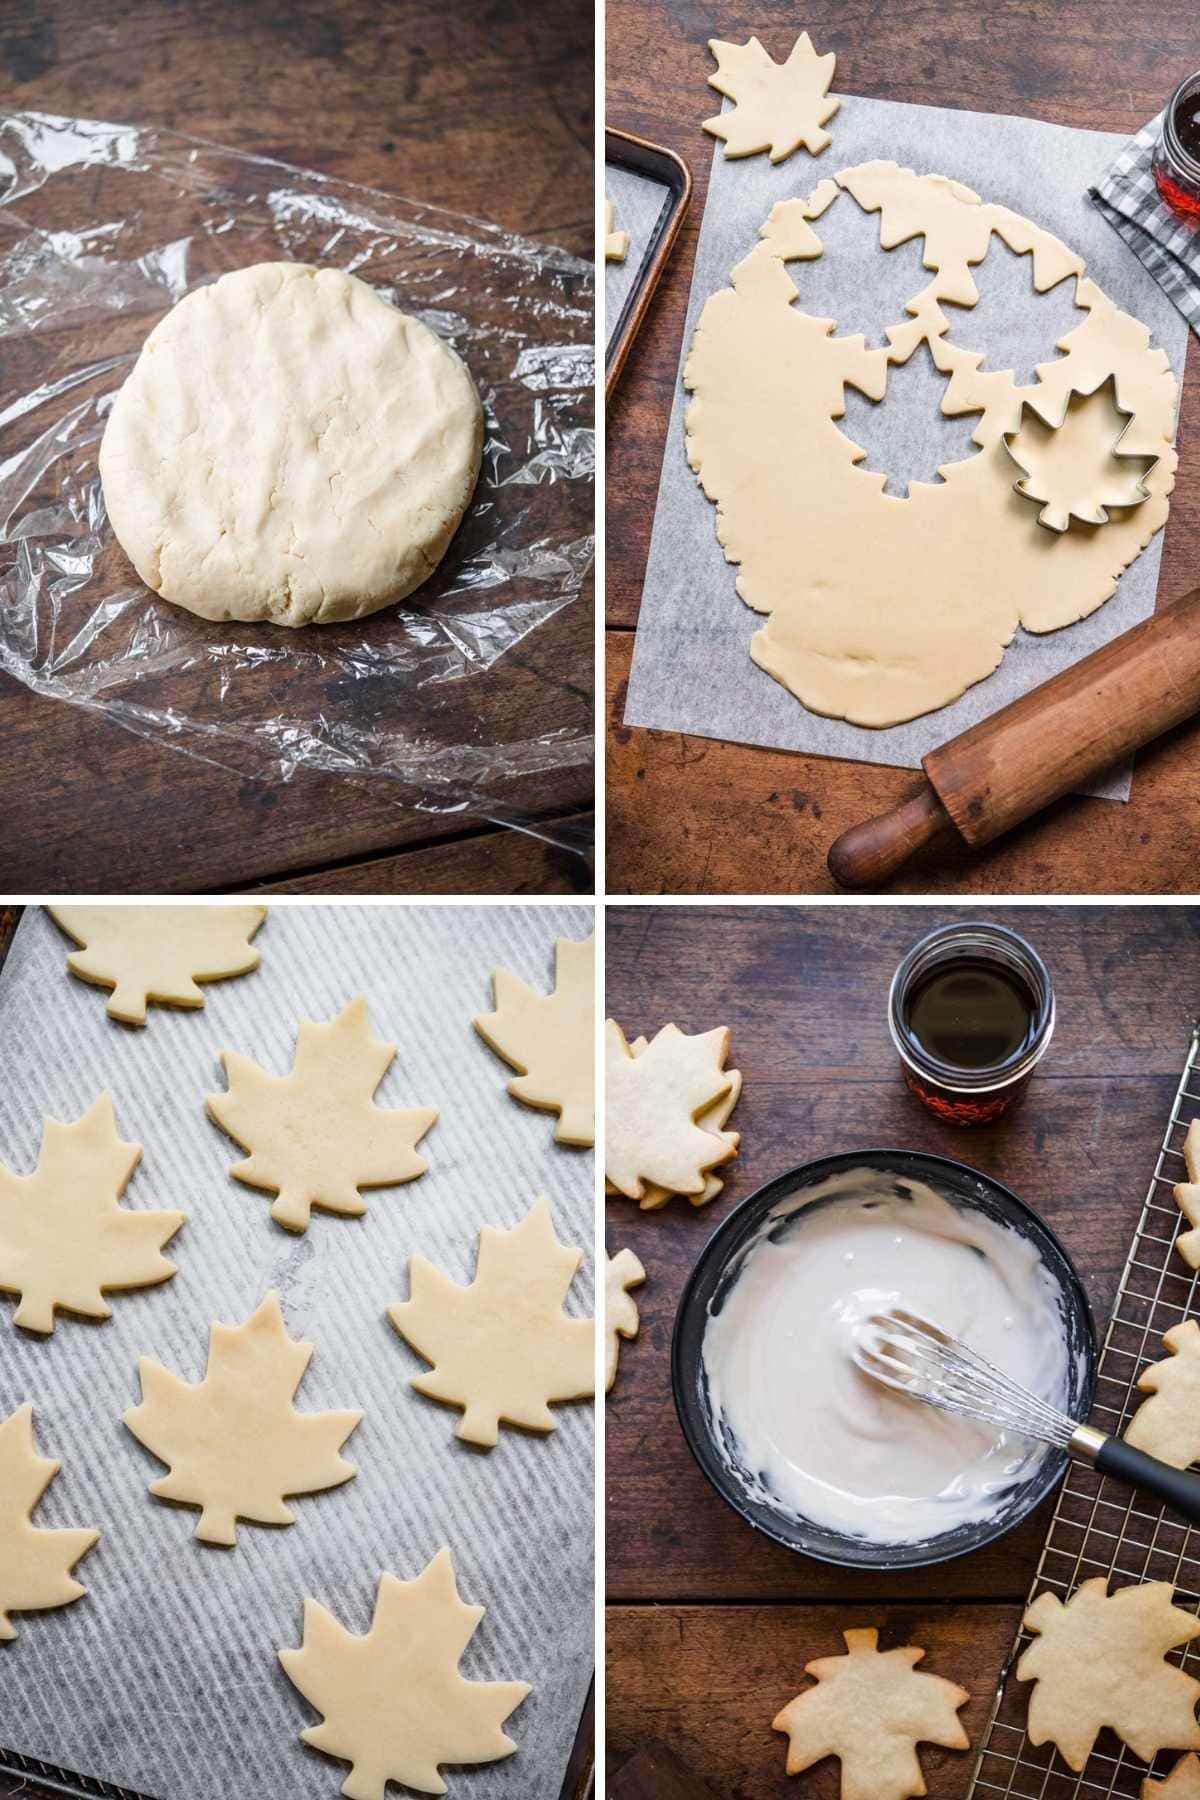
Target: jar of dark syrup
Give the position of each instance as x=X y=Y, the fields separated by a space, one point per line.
x=1176 y=159
x=971 y=1011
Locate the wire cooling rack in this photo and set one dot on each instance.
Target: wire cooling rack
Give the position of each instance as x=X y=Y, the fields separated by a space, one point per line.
x=1099 y=1527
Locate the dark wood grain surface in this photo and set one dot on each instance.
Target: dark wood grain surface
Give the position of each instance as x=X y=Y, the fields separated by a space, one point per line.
x=709 y=1624
x=691 y=815
x=483 y=109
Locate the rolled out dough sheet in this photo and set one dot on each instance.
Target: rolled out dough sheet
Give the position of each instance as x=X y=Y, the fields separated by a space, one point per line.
x=692 y=670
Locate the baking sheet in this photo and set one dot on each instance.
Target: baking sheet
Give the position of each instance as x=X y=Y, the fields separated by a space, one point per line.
x=691 y=666
x=639 y=205
x=164 y=1677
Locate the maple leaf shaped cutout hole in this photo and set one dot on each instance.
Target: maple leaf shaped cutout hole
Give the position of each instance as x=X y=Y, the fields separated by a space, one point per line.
x=235 y=1444
x=550 y=1039
x=35 y=1562
x=871 y=1708
x=394 y=1703
x=64 y=1238
x=502 y=1349
x=316 y=1136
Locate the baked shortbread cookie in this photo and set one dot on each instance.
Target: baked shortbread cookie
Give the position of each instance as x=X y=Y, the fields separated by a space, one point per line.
x=291 y=448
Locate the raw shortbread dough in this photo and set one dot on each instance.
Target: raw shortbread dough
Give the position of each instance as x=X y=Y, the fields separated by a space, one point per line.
x=502 y=1348
x=882 y=608
x=871 y=1709
x=652 y=1104
x=64 y=1238
x=315 y=1136
x=1099 y=1660
x=1187 y=1198
x=234 y=1443
x=394 y=1702
x=622 y=1272
x=1183 y=1783
x=158 y=952
x=35 y=1563
x=551 y=1039
x=779 y=105
x=1074 y=464
x=616 y=243
x=290 y=447
x=1168 y=1424
x=713 y=1118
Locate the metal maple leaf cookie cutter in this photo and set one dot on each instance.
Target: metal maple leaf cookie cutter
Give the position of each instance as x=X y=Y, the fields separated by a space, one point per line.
x=1100 y=516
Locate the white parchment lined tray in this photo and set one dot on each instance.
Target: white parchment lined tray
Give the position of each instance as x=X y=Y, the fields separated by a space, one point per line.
x=639 y=204
x=692 y=670
x=164 y=1677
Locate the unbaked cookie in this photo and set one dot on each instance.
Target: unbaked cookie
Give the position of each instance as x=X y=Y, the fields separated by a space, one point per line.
x=290 y=447
x=235 y=1444
x=35 y=1561
x=394 y=1702
x=503 y=1349
x=158 y=952
x=779 y=105
x=550 y=1039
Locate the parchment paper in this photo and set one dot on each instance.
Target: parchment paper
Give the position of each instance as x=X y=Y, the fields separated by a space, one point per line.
x=691 y=668
x=638 y=205
x=164 y=1677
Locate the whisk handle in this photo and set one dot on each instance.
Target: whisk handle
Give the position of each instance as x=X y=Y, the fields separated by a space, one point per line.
x=1176 y=1488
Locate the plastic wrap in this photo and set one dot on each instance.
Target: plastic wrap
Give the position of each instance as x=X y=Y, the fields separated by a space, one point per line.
x=103 y=228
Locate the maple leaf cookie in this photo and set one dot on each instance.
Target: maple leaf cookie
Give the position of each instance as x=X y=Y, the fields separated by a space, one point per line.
x=871 y=1708
x=35 y=1562
x=1168 y=1424
x=1183 y=1783
x=652 y=1105
x=64 y=1238
x=158 y=953
x=1187 y=1198
x=779 y=106
x=550 y=1039
x=394 y=1702
x=315 y=1136
x=622 y=1272
x=1099 y=1660
x=616 y=243
x=235 y=1444
x=503 y=1349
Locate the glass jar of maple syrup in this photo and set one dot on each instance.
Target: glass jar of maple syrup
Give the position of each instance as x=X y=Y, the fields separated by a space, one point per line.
x=1176 y=160
x=971 y=1011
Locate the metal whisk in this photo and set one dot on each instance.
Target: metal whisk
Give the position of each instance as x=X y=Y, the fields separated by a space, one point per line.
x=914 y=1356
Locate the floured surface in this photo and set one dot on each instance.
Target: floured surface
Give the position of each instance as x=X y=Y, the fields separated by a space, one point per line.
x=165 y=1679
x=692 y=668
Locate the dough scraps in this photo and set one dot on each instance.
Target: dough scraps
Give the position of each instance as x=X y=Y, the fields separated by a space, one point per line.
x=290 y=447
x=35 y=1563
x=714 y=1119
x=1075 y=462
x=1099 y=1660
x=622 y=1272
x=1168 y=1424
x=315 y=1136
x=502 y=1348
x=653 y=1102
x=616 y=243
x=1187 y=1198
x=550 y=1039
x=779 y=106
x=871 y=1708
x=158 y=952
x=64 y=1237
x=234 y=1443
x=394 y=1703
x=1183 y=1783
x=881 y=608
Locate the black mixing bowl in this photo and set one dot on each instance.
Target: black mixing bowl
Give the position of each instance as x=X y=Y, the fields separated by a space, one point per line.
x=718 y=1267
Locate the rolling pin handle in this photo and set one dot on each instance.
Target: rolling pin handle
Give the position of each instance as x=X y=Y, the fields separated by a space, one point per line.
x=869 y=854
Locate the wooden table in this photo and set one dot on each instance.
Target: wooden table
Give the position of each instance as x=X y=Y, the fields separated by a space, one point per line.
x=689 y=814
x=486 y=112
x=710 y=1625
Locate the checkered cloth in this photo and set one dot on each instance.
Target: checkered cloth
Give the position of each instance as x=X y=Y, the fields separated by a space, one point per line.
x=1165 y=243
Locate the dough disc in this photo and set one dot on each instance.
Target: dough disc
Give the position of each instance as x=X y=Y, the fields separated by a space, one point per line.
x=289 y=447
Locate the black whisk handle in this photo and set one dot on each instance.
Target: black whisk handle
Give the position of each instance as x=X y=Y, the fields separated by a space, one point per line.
x=1177 y=1488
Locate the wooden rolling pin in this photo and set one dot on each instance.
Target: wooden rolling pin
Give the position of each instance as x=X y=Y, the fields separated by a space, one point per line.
x=1046 y=744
